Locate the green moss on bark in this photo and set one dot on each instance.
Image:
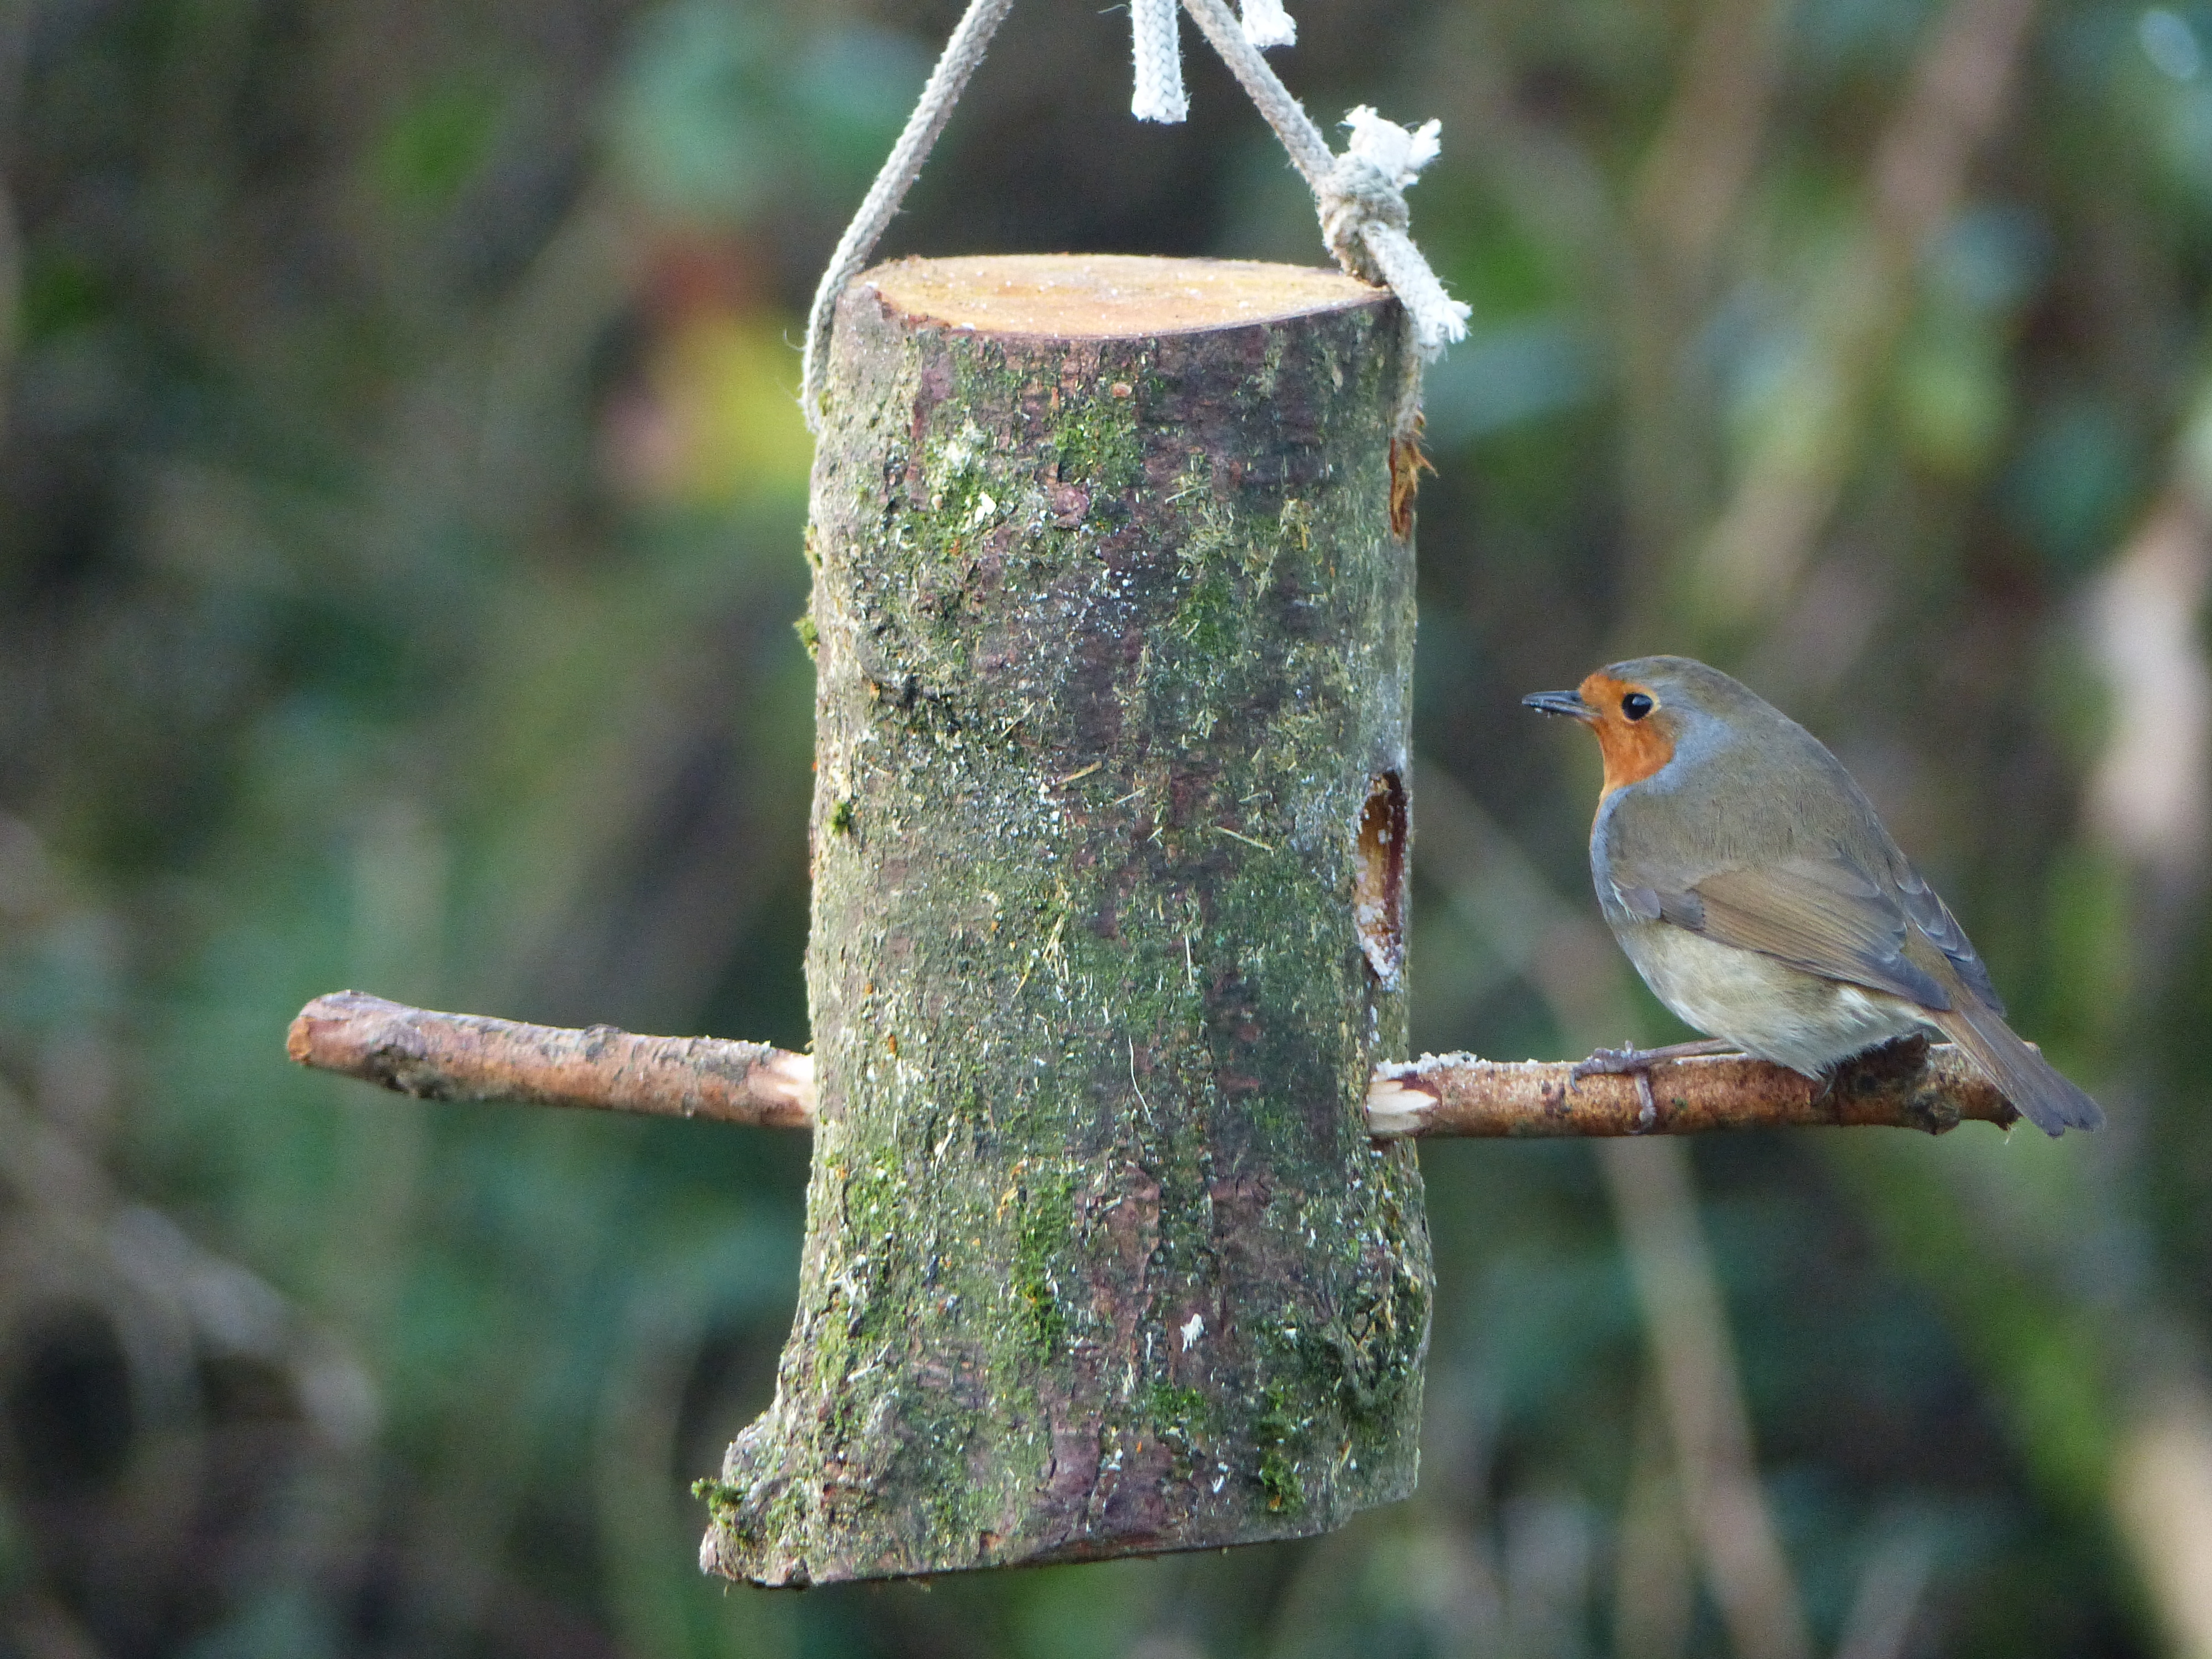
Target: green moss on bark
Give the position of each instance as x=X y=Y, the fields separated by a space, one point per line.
x=1113 y=640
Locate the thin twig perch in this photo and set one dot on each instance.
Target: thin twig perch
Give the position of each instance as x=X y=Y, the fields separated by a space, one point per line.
x=1906 y=1085
x=436 y=1056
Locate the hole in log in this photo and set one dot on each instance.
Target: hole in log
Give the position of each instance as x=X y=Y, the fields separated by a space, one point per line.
x=1378 y=892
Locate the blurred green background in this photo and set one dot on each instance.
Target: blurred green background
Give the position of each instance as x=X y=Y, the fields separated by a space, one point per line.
x=400 y=496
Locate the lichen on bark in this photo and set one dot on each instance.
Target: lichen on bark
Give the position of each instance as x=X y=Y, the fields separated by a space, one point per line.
x=1114 y=643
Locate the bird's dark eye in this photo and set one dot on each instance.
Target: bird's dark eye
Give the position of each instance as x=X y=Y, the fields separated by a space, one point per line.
x=1636 y=705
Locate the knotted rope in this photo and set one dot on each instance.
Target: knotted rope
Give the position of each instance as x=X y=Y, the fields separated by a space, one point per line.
x=1359 y=195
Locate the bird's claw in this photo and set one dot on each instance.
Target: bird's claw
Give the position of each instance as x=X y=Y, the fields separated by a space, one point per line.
x=1647 y=1104
x=1632 y=1061
x=1613 y=1062
x=1627 y=1060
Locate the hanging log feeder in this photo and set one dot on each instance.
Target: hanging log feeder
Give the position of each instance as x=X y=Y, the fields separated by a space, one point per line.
x=1114 y=638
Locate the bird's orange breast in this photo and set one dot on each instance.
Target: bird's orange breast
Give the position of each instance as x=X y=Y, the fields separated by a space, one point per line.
x=1633 y=749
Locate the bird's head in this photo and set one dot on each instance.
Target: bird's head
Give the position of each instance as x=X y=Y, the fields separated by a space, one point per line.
x=1644 y=710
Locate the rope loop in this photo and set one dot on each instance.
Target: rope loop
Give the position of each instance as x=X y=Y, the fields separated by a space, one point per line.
x=1359 y=195
x=1364 y=218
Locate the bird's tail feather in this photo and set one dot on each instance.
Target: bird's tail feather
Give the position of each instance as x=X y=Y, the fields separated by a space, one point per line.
x=2045 y=1097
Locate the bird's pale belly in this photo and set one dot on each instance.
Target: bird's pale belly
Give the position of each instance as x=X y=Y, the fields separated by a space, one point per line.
x=1764 y=1007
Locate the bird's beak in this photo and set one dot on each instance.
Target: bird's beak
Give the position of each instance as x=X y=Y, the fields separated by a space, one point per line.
x=1569 y=703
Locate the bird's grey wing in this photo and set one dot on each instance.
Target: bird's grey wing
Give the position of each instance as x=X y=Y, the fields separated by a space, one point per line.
x=1826 y=915
x=1933 y=917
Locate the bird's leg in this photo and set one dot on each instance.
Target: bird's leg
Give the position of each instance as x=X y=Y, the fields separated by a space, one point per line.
x=1633 y=1061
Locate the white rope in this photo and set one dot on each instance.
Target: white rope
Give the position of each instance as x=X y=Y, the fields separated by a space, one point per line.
x=1267 y=25
x=900 y=169
x=1364 y=204
x=1158 y=93
x=1309 y=150
x=1359 y=195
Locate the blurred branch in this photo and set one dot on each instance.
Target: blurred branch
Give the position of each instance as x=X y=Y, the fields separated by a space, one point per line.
x=1699 y=163
x=1891 y=1591
x=1792 y=482
x=14 y=43
x=436 y=1056
x=1959 y=90
x=2150 y=797
x=2161 y=1496
x=1688 y=191
x=1701 y=1384
x=177 y=1442
x=2151 y=802
x=1654 y=1575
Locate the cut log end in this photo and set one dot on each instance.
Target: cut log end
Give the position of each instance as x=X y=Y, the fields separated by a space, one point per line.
x=1095 y=296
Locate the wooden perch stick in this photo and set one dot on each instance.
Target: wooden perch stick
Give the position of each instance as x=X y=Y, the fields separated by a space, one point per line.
x=1906 y=1085
x=437 y=1056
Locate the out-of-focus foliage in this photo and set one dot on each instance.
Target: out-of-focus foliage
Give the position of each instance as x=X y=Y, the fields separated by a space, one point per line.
x=400 y=502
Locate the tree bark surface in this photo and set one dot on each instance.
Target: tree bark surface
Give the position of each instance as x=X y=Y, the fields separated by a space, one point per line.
x=1114 y=642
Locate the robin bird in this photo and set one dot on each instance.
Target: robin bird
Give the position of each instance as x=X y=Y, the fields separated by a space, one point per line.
x=1748 y=879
